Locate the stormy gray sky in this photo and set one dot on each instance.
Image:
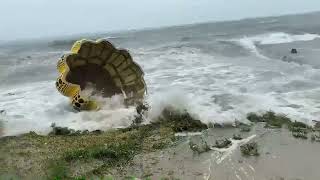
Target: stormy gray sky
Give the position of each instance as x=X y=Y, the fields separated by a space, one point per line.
x=43 y=18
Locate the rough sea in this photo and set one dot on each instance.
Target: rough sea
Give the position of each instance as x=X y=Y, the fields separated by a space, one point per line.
x=217 y=71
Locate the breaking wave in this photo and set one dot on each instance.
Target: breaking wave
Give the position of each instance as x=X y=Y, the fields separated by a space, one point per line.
x=280 y=37
x=250 y=43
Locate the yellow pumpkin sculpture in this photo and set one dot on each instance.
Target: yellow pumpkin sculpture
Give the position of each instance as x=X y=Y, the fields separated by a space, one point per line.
x=112 y=71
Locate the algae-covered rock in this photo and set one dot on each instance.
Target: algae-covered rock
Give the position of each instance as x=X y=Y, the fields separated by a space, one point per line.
x=249 y=149
x=271 y=119
x=301 y=134
x=199 y=145
x=245 y=128
x=180 y=121
x=237 y=137
x=274 y=120
x=65 y=131
x=223 y=143
x=60 y=130
x=315 y=137
x=294 y=126
x=253 y=117
x=299 y=130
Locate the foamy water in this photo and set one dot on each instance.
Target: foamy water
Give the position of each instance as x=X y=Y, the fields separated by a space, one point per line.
x=191 y=74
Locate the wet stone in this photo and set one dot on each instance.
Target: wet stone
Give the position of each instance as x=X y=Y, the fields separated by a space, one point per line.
x=315 y=137
x=223 y=143
x=300 y=134
x=249 y=149
x=199 y=145
x=237 y=137
x=245 y=128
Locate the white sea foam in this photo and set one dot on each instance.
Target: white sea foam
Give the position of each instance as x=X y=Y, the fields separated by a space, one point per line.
x=279 y=38
x=210 y=87
x=35 y=107
x=251 y=42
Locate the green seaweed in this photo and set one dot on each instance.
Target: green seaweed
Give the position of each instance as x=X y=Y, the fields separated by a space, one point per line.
x=271 y=119
x=180 y=121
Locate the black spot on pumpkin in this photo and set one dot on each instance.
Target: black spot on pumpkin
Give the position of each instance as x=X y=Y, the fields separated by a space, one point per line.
x=81 y=101
x=57 y=84
x=60 y=81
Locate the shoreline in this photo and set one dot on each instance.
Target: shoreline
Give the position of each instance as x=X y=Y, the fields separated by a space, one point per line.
x=156 y=150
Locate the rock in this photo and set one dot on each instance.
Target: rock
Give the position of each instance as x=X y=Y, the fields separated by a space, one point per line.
x=138 y=119
x=223 y=143
x=98 y=131
x=217 y=125
x=300 y=134
x=180 y=121
x=237 y=137
x=141 y=108
x=58 y=131
x=65 y=131
x=294 y=51
x=249 y=149
x=253 y=117
x=316 y=124
x=199 y=146
x=210 y=125
x=238 y=123
x=223 y=125
x=272 y=119
x=315 y=137
x=245 y=128
x=298 y=125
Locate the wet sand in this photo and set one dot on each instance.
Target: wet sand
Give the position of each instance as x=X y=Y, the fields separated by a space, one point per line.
x=282 y=157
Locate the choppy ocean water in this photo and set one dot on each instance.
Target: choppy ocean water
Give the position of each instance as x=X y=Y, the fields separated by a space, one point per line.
x=217 y=71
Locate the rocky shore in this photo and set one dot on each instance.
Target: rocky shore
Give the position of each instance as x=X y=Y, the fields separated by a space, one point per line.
x=175 y=146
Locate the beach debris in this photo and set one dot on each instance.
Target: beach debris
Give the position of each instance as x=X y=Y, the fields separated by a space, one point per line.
x=249 y=149
x=223 y=143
